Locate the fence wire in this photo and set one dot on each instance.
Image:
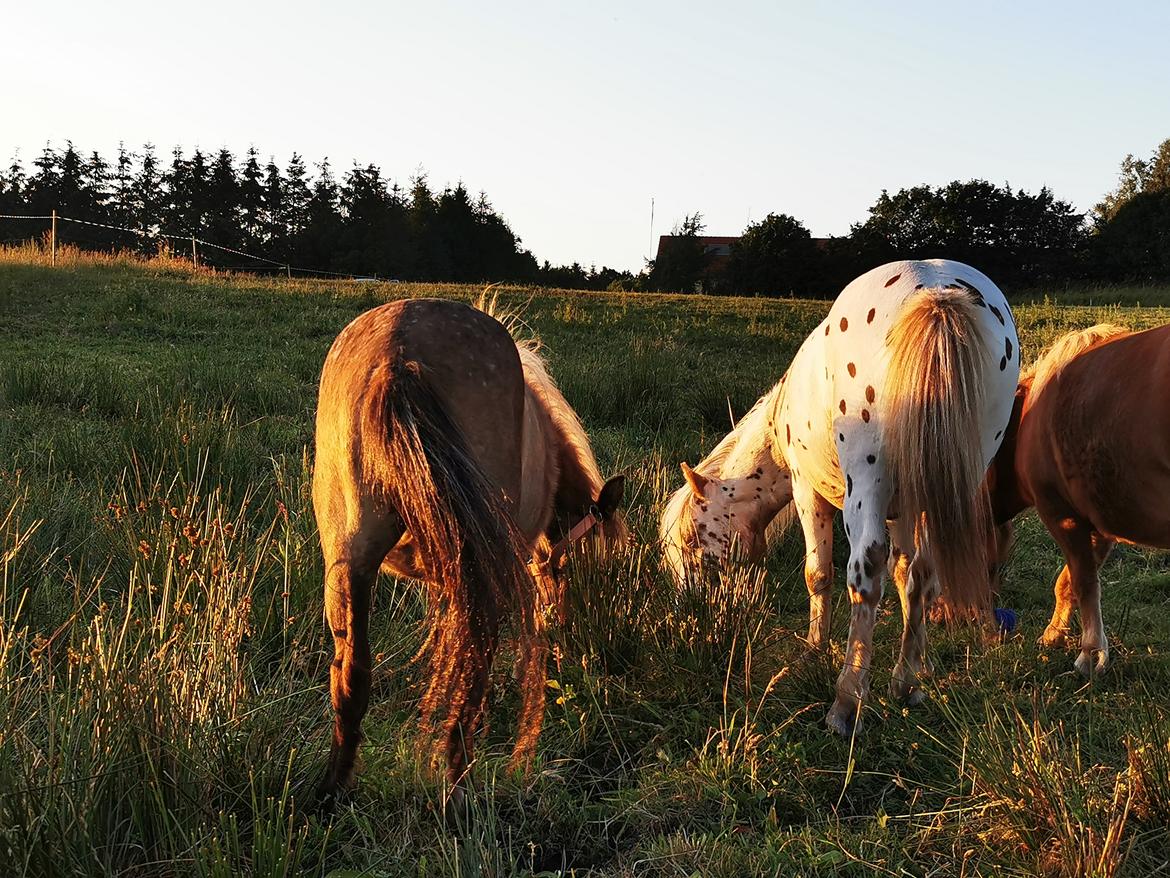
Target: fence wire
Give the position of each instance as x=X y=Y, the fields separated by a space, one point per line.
x=189 y=239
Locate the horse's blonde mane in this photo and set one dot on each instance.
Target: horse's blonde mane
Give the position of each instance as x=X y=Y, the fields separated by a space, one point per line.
x=745 y=429
x=670 y=529
x=540 y=383
x=1048 y=365
x=673 y=522
x=563 y=417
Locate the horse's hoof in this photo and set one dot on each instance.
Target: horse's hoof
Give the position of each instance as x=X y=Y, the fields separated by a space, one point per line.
x=335 y=788
x=457 y=808
x=1092 y=662
x=1052 y=637
x=843 y=720
x=329 y=794
x=908 y=693
x=807 y=653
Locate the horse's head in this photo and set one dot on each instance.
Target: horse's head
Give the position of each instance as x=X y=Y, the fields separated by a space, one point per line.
x=598 y=523
x=710 y=519
x=594 y=517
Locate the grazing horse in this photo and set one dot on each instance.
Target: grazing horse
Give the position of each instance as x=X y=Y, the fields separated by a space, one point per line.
x=445 y=452
x=1088 y=445
x=891 y=411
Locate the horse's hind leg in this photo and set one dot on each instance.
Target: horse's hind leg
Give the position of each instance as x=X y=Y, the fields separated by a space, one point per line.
x=351 y=566
x=917 y=587
x=1094 y=645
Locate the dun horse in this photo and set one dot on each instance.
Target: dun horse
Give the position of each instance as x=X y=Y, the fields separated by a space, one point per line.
x=1088 y=445
x=444 y=452
x=891 y=410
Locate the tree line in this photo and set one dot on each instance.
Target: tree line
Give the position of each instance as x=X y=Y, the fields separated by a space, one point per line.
x=359 y=223
x=365 y=223
x=1018 y=238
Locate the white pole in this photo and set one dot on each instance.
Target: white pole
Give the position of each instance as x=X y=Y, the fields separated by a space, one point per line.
x=651 y=227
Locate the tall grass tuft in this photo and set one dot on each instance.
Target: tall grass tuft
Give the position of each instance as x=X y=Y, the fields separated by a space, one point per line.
x=715 y=617
x=138 y=723
x=1148 y=756
x=1043 y=795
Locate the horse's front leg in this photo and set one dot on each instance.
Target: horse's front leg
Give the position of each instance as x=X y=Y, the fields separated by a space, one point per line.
x=1094 y=655
x=868 y=553
x=550 y=589
x=816 y=520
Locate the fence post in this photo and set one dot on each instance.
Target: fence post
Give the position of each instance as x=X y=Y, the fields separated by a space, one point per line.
x=194 y=254
x=288 y=271
x=53 y=240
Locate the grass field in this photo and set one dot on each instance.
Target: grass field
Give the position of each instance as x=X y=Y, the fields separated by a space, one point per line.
x=163 y=660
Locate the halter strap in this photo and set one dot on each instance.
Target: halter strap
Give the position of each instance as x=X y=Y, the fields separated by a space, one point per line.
x=576 y=532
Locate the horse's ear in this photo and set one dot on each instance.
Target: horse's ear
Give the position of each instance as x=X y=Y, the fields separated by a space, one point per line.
x=697 y=481
x=610 y=497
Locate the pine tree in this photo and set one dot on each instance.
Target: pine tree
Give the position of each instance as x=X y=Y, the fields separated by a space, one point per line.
x=14 y=200
x=74 y=198
x=274 y=229
x=434 y=258
x=199 y=183
x=120 y=207
x=223 y=207
x=94 y=200
x=43 y=190
x=147 y=199
x=323 y=232
x=296 y=205
x=252 y=202
x=177 y=205
x=12 y=185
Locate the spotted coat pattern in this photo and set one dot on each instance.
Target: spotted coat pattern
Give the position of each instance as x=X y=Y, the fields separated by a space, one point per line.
x=825 y=422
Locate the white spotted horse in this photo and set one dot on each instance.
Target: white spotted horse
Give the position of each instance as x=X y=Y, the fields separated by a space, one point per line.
x=891 y=411
x=445 y=453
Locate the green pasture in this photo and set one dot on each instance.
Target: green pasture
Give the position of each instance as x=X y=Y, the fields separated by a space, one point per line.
x=164 y=663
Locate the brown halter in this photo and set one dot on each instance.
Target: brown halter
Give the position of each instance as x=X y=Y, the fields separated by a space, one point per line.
x=556 y=556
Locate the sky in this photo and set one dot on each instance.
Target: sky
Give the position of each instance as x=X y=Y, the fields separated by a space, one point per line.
x=572 y=116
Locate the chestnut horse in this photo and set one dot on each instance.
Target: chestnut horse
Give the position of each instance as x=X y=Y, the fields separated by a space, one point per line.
x=891 y=411
x=1088 y=446
x=445 y=452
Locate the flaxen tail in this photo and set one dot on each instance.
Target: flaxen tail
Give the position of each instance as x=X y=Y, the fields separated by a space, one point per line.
x=934 y=399
x=463 y=531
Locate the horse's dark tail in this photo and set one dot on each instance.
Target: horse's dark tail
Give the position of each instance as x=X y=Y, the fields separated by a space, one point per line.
x=474 y=557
